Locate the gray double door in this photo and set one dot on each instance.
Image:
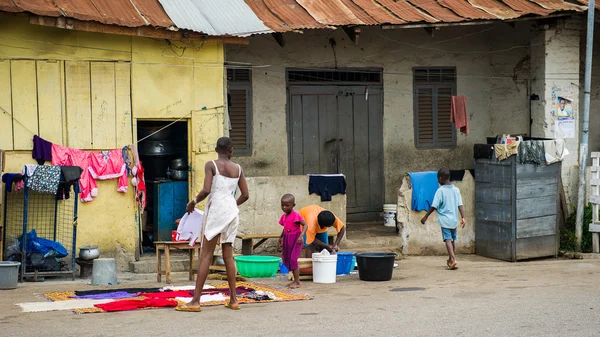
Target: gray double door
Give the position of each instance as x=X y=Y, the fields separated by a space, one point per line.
x=339 y=129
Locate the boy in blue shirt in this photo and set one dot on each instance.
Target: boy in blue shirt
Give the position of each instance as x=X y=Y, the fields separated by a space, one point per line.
x=448 y=203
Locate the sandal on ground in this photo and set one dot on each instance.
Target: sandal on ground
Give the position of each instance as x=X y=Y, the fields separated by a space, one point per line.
x=188 y=309
x=228 y=305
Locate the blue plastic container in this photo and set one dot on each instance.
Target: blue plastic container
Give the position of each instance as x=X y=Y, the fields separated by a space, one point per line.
x=345 y=263
x=283 y=269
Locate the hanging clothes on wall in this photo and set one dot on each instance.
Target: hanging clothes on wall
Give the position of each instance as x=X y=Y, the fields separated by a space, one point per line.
x=42 y=150
x=108 y=165
x=11 y=179
x=45 y=179
x=424 y=186
x=504 y=151
x=532 y=152
x=555 y=151
x=66 y=156
x=458 y=114
x=70 y=176
x=326 y=185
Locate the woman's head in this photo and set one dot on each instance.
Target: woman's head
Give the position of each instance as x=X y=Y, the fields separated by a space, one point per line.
x=224 y=146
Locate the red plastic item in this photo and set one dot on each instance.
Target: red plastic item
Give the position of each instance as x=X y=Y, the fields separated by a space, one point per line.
x=174 y=236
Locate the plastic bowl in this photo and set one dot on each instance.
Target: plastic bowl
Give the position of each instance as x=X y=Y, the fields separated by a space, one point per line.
x=375 y=266
x=257 y=266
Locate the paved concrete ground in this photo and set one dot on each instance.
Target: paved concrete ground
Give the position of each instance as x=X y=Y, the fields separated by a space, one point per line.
x=483 y=298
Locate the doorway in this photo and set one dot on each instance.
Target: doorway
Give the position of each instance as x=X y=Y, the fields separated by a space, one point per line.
x=338 y=128
x=164 y=154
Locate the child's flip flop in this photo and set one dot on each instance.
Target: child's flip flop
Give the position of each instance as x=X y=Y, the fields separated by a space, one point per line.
x=188 y=309
x=453 y=266
x=228 y=305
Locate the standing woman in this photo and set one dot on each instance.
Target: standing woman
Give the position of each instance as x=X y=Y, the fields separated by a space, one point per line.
x=222 y=178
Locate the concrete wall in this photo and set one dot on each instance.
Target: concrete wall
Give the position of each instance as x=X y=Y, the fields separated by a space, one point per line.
x=161 y=85
x=261 y=213
x=489 y=59
x=419 y=239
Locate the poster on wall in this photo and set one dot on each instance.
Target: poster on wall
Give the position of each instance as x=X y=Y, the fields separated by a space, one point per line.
x=564 y=111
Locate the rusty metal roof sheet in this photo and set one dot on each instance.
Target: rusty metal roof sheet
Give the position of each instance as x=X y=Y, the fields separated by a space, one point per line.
x=215 y=17
x=496 y=8
x=330 y=12
x=378 y=12
x=556 y=5
x=436 y=10
x=126 y=13
x=466 y=10
x=406 y=11
x=526 y=7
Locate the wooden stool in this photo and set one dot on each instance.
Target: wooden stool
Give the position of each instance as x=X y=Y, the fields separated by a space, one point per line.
x=167 y=246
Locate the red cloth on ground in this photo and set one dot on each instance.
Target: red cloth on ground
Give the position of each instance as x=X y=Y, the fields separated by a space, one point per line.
x=126 y=305
x=458 y=114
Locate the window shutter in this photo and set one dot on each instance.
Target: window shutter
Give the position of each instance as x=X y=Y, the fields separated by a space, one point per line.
x=445 y=129
x=425 y=114
x=238 y=116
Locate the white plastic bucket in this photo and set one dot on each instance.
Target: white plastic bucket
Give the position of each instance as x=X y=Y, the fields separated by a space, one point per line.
x=324 y=267
x=389 y=215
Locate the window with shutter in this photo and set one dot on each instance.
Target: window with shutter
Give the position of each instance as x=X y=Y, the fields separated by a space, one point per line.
x=433 y=91
x=239 y=101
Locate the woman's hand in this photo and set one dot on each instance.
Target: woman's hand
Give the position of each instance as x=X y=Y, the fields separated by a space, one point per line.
x=190 y=206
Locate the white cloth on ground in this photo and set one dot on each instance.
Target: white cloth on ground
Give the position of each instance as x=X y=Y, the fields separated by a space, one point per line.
x=60 y=305
x=555 y=150
x=221 y=215
x=190 y=226
x=179 y=288
x=204 y=298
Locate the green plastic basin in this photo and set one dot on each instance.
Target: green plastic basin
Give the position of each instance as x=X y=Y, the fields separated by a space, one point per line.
x=257 y=266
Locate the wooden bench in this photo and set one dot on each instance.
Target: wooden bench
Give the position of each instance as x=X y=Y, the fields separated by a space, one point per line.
x=168 y=246
x=248 y=245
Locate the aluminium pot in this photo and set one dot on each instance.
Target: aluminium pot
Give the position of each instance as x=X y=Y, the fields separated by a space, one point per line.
x=153 y=133
x=178 y=164
x=156 y=148
x=179 y=174
x=88 y=253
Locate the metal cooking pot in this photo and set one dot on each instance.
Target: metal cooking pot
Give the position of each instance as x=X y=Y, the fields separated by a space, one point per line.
x=88 y=253
x=146 y=131
x=179 y=175
x=178 y=164
x=156 y=148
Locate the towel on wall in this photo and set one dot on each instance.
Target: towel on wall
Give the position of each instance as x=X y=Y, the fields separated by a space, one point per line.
x=326 y=185
x=424 y=186
x=458 y=114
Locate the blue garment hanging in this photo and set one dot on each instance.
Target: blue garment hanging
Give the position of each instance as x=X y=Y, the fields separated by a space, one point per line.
x=424 y=186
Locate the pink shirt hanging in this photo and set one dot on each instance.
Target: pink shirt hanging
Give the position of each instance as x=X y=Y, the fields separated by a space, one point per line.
x=108 y=165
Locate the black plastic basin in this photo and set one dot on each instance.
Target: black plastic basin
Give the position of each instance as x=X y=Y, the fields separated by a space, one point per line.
x=375 y=266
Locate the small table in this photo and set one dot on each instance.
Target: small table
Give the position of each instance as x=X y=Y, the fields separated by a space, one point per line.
x=248 y=245
x=167 y=246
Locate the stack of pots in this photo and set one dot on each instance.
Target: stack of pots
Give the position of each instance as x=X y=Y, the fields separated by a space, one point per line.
x=178 y=170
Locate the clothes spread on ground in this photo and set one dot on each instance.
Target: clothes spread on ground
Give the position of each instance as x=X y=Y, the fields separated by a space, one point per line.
x=532 y=152
x=108 y=165
x=483 y=151
x=326 y=185
x=42 y=150
x=458 y=114
x=504 y=151
x=424 y=186
x=188 y=288
x=11 y=178
x=112 y=295
x=222 y=212
x=45 y=179
x=69 y=178
x=126 y=305
x=203 y=298
x=168 y=294
x=555 y=151
x=190 y=226
x=127 y=290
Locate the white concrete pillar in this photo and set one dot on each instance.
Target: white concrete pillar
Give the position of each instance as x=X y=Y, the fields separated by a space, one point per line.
x=555 y=63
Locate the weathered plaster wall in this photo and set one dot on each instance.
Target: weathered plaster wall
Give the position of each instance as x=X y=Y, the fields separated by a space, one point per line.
x=261 y=213
x=555 y=60
x=167 y=82
x=489 y=61
x=594 y=135
x=419 y=239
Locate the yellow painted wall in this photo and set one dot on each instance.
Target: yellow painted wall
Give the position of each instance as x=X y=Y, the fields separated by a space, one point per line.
x=91 y=108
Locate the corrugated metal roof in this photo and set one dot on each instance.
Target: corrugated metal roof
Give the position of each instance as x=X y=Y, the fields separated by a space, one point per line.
x=126 y=13
x=222 y=17
x=287 y=15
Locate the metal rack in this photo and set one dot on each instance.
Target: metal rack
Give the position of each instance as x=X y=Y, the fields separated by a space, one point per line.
x=52 y=219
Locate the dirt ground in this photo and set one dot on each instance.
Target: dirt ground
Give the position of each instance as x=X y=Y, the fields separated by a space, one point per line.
x=482 y=298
